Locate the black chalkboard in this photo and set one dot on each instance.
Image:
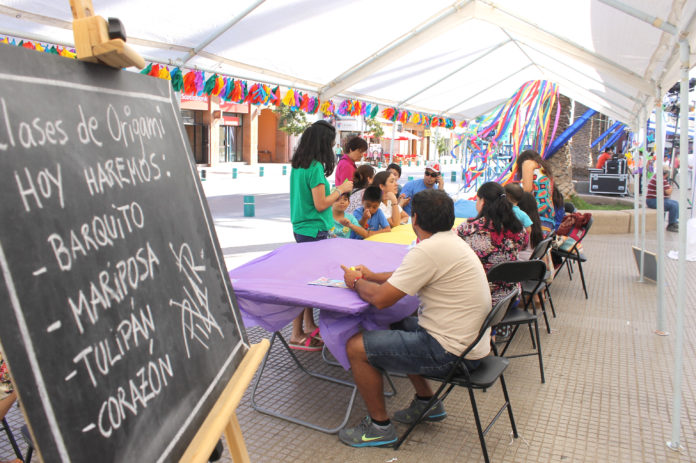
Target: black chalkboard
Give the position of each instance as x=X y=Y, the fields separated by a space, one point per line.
x=118 y=321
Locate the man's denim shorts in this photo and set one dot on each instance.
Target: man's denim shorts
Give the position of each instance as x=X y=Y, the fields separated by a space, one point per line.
x=407 y=348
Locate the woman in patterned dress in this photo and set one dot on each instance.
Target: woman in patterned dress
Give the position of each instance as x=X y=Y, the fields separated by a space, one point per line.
x=495 y=234
x=537 y=179
x=7 y=396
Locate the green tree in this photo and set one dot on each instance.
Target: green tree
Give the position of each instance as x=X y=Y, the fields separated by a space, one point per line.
x=375 y=128
x=441 y=143
x=291 y=122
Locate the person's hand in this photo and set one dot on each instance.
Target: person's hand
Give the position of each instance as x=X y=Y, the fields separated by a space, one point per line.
x=366 y=272
x=367 y=215
x=345 y=187
x=343 y=221
x=403 y=200
x=351 y=275
x=440 y=182
x=391 y=197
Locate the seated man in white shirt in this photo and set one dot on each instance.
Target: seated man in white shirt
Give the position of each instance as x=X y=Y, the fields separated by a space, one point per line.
x=453 y=290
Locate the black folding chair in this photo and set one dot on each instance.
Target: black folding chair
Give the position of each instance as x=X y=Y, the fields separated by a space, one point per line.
x=574 y=254
x=489 y=370
x=517 y=272
x=531 y=288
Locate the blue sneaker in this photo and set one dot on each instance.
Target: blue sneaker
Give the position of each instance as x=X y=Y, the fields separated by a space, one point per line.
x=408 y=415
x=368 y=434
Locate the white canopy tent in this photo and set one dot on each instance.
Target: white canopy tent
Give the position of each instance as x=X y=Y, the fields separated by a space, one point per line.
x=457 y=59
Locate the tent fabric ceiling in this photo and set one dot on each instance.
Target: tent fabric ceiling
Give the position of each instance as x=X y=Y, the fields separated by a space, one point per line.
x=457 y=59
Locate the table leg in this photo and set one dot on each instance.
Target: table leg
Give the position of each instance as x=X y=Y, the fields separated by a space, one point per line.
x=255 y=406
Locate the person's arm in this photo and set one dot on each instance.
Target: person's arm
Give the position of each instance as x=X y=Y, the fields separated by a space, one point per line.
x=379 y=295
x=358 y=229
x=382 y=223
x=323 y=201
x=404 y=217
x=377 y=232
x=528 y=176
x=395 y=218
x=372 y=276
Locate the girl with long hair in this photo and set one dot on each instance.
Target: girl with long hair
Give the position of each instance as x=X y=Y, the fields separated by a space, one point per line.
x=310 y=209
x=537 y=179
x=495 y=234
x=390 y=206
x=362 y=177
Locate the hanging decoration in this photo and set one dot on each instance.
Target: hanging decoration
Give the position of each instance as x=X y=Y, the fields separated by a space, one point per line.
x=495 y=140
x=196 y=82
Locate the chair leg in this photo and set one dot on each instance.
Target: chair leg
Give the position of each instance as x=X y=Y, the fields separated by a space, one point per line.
x=570 y=270
x=541 y=362
x=507 y=344
x=11 y=438
x=543 y=311
x=553 y=309
x=582 y=277
x=478 y=425
x=509 y=407
x=531 y=335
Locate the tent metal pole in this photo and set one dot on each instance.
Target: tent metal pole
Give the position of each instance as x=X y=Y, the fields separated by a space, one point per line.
x=659 y=171
x=391 y=142
x=643 y=197
x=635 y=203
x=642 y=15
x=681 y=266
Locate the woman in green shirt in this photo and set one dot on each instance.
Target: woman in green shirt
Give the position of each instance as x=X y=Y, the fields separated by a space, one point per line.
x=310 y=208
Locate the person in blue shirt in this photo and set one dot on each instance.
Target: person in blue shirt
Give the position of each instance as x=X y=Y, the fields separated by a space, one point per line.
x=431 y=179
x=369 y=216
x=514 y=193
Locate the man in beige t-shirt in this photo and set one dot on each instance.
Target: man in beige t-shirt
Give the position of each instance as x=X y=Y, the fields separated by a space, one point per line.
x=455 y=299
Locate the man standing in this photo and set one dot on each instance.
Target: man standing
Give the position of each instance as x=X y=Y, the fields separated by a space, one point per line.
x=604 y=157
x=453 y=290
x=671 y=206
x=431 y=177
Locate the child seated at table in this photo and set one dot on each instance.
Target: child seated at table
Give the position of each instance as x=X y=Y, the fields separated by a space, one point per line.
x=344 y=222
x=369 y=216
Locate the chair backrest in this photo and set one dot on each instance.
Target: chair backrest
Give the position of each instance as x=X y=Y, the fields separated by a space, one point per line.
x=517 y=271
x=494 y=317
x=541 y=249
x=578 y=233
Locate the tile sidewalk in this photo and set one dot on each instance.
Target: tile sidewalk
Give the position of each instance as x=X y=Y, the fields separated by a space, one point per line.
x=608 y=395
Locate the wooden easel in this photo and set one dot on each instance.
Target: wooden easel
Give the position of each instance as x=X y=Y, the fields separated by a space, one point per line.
x=92 y=40
x=222 y=417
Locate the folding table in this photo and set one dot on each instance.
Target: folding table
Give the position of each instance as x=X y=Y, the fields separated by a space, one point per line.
x=273 y=289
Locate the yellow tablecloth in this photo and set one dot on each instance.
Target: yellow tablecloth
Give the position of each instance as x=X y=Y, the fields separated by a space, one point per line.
x=403 y=234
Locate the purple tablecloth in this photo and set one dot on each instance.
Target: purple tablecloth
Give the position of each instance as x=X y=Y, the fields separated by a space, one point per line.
x=273 y=289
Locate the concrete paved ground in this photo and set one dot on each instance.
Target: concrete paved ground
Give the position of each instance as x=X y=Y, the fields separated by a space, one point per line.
x=608 y=392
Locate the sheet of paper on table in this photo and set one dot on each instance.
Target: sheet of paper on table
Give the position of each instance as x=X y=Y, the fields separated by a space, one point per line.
x=323 y=281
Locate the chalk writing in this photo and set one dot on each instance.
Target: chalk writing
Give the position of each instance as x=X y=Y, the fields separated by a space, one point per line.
x=121 y=172
x=112 y=286
x=45 y=181
x=30 y=135
x=130 y=332
x=100 y=231
x=147 y=384
x=197 y=322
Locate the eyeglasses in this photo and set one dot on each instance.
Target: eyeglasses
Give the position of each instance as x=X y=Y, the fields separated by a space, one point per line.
x=432 y=174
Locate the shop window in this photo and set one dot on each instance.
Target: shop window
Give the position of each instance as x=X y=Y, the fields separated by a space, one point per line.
x=230 y=144
x=197 y=132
